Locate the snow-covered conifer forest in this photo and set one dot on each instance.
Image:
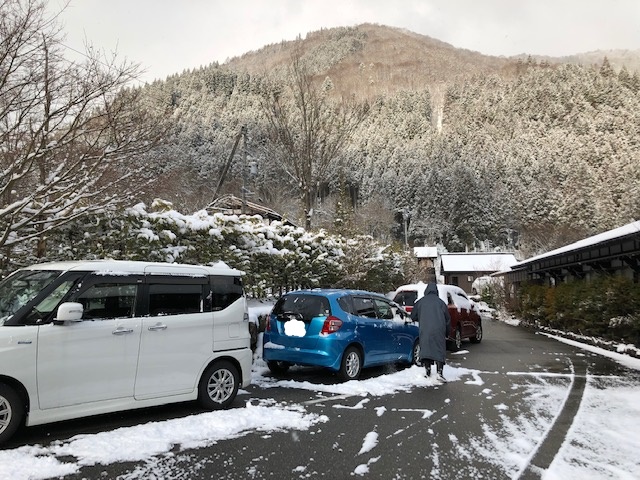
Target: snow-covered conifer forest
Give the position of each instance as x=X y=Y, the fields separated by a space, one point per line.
x=529 y=157
x=449 y=147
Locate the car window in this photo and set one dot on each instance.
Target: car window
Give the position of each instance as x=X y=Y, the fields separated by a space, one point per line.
x=108 y=300
x=364 y=307
x=462 y=301
x=304 y=306
x=22 y=287
x=406 y=298
x=175 y=299
x=42 y=312
x=384 y=310
x=224 y=291
x=346 y=304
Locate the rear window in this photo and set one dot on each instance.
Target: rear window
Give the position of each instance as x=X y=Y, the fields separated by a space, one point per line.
x=406 y=298
x=304 y=307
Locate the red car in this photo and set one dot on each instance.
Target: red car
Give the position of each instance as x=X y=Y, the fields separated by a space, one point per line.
x=465 y=319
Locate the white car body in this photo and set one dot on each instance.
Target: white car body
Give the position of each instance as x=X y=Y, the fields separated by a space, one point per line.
x=69 y=367
x=482 y=283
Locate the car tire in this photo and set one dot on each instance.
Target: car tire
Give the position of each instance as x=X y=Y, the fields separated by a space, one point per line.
x=351 y=365
x=219 y=385
x=415 y=353
x=456 y=343
x=278 y=368
x=477 y=338
x=11 y=412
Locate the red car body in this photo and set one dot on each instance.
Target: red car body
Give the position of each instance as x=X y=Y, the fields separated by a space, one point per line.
x=466 y=322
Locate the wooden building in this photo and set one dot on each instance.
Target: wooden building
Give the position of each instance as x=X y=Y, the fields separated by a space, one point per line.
x=615 y=252
x=462 y=269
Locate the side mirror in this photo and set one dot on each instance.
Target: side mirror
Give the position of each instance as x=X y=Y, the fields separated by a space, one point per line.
x=69 y=312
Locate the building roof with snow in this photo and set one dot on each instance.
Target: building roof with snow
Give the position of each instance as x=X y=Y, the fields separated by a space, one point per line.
x=632 y=228
x=425 y=252
x=615 y=251
x=476 y=262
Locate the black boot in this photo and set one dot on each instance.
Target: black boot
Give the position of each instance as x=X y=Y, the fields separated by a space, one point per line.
x=440 y=370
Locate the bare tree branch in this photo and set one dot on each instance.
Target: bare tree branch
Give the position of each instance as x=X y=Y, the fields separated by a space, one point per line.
x=308 y=130
x=72 y=134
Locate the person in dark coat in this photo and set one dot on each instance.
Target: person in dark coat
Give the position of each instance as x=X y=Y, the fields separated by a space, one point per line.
x=435 y=324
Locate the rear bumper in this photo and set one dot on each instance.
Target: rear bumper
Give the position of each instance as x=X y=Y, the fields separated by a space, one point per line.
x=329 y=357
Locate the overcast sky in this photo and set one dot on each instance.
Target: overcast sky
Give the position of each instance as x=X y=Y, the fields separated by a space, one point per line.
x=168 y=36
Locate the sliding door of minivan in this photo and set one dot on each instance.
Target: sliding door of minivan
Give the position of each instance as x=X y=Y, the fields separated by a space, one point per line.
x=95 y=359
x=176 y=335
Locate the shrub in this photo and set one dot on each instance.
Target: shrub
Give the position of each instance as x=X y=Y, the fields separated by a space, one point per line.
x=275 y=257
x=606 y=306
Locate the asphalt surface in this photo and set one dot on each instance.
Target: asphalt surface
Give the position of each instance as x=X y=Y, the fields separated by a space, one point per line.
x=426 y=433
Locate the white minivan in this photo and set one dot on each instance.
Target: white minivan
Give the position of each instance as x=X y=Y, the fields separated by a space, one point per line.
x=90 y=337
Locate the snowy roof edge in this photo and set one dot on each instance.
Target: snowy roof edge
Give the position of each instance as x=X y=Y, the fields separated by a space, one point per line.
x=625 y=230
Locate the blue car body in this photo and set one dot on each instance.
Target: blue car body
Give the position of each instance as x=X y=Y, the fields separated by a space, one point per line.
x=330 y=321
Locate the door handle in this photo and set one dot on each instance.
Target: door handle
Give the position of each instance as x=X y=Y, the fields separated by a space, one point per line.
x=158 y=326
x=122 y=331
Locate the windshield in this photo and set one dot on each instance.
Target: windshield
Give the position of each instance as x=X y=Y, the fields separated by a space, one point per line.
x=20 y=288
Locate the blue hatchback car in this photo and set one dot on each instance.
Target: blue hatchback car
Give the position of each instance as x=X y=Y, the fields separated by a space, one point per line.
x=342 y=330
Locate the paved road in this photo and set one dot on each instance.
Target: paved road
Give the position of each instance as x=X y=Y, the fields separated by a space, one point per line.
x=430 y=432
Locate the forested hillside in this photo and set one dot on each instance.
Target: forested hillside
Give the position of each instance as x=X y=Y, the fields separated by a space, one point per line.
x=470 y=151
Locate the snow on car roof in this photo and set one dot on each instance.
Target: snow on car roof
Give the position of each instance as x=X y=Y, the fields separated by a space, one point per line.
x=125 y=267
x=420 y=287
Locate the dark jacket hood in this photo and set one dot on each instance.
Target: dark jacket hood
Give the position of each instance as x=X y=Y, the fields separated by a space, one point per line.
x=431 y=288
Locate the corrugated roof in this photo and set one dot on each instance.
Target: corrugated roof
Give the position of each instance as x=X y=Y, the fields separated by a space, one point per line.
x=476 y=262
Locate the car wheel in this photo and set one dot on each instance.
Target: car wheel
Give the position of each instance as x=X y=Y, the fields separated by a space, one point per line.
x=351 y=364
x=219 y=385
x=416 y=353
x=278 y=368
x=11 y=412
x=477 y=338
x=456 y=343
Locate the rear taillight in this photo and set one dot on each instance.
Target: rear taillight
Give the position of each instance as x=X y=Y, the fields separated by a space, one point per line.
x=408 y=308
x=331 y=324
x=267 y=324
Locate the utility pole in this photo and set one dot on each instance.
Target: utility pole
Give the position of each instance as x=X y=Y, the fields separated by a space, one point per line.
x=244 y=169
x=405 y=221
x=225 y=169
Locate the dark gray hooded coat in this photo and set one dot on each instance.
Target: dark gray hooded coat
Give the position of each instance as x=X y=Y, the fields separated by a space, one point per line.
x=435 y=324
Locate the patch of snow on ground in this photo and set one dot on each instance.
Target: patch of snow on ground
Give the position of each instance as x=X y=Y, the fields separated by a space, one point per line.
x=604 y=439
x=143 y=442
x=370 y=442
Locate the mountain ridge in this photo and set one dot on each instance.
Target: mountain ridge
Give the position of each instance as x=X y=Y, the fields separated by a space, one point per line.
x=372 y=59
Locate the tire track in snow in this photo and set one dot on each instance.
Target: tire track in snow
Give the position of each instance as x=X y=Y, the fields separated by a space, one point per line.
x=553 y=440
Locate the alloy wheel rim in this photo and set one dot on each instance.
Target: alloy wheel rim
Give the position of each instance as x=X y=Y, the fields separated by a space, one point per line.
x=5 y=414
x=220 y=386
x=353 y=364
